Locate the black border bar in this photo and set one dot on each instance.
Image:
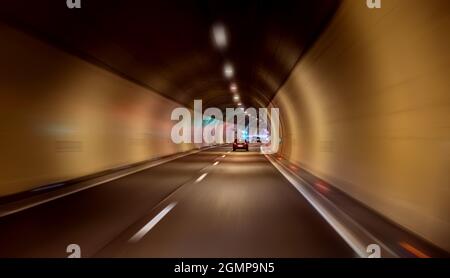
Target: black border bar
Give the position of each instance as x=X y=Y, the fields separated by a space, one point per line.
x=152 y=267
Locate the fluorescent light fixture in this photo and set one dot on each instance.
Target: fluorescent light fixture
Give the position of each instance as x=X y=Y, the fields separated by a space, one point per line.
x=228 y=70
x=220 y=36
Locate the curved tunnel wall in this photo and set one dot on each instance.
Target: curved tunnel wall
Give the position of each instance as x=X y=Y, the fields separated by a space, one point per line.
x=368 y=107
x=62 y=117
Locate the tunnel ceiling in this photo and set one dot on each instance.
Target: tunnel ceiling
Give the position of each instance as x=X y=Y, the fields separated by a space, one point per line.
x=168 y=46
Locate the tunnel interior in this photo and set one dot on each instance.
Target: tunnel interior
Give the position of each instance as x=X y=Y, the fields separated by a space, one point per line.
x=363 y=94
x=168 y=45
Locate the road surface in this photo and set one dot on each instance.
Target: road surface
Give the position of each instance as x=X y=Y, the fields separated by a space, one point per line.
x=214 y=203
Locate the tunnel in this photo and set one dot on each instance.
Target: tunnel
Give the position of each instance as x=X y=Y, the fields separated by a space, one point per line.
x=87 y=99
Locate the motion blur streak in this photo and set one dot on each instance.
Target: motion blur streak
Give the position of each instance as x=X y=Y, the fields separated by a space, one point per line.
x=364 y=103
x=62 y=118
x=368 y=108
x=413 y=250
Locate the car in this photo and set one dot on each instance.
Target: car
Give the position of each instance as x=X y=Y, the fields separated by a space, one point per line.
x=239 y=144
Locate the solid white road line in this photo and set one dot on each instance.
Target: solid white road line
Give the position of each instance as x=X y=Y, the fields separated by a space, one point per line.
x=142 y=232
x=201 y=178
x=355 y=244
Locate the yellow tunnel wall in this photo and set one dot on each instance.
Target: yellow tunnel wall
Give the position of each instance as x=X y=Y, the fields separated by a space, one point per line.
x=368 y=107
x=62 y=117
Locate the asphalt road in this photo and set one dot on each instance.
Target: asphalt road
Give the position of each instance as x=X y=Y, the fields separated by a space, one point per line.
x=190 y=207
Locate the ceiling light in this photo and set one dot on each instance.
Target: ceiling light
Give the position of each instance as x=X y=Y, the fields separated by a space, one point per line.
x=219 y=36
x=228 y=70
x=233 y=88
x=236 y=97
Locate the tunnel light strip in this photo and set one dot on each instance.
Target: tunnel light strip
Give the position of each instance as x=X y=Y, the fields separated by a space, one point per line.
x=354 y=241
x=216 y=163
x=144 y=230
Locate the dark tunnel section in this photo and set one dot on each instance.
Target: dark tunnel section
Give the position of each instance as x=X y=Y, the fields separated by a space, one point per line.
x=166 y=45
